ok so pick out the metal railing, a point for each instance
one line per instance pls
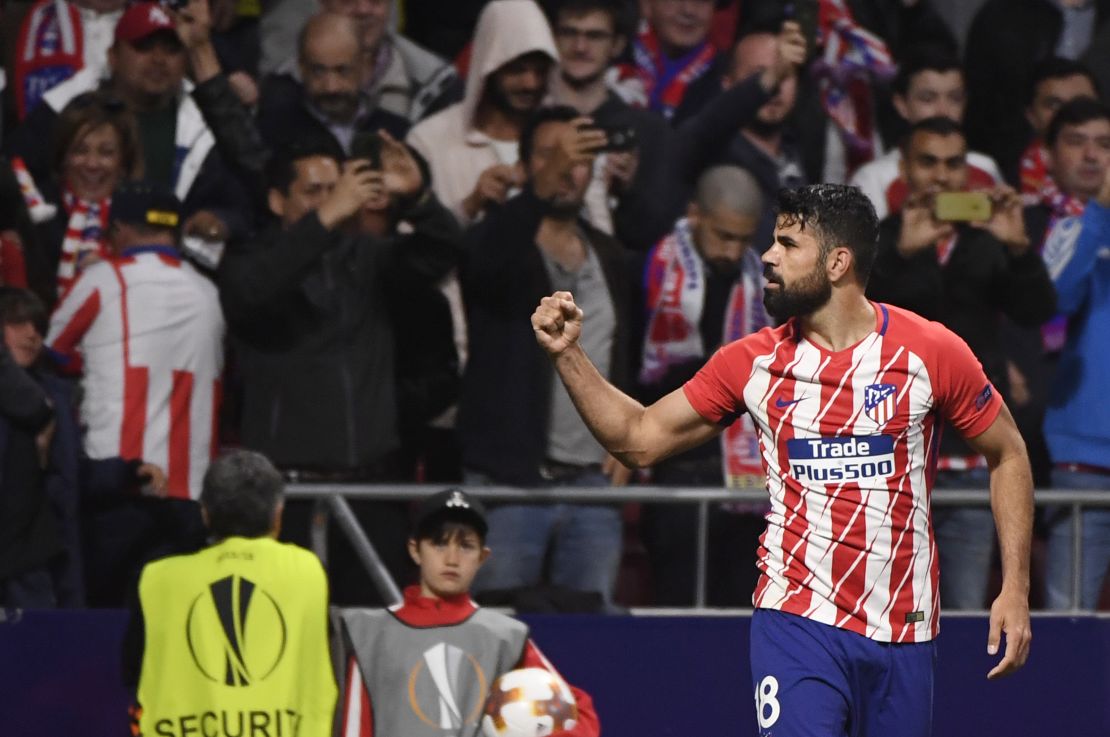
(331, 501)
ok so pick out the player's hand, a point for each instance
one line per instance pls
(493, 185)
(1007, 222)
(1009, 616)
(618, 473)
(920, 228)
(557, 323)
(358, 185)
(790, 54)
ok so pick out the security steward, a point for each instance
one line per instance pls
(232, 641)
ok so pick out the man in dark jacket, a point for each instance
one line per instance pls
(325, 99)
(967, 276)
(517, 425)
(306, 303)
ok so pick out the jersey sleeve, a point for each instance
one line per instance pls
(965, 396)
(588, 724)
(716, 392)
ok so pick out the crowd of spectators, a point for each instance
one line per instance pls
(318, 231)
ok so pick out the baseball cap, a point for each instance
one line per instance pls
(454, 504)
(141, 20)
(145, 203)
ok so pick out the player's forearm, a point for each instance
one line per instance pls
(611, 415)
(1012, 503)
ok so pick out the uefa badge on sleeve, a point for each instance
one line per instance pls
(879, 401)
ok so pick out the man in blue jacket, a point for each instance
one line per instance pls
(1077, 422)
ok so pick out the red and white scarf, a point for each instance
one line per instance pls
(661, 82)
(1034, 170)
(675, 285)
(50, 50)
(853, 59)
(86, 234)
(86, 228)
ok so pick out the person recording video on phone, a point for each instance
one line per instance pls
(963, 259)
(306, 304)
(535, 242)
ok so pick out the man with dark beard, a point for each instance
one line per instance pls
(703, 288)
(517, 425)
(324, 98)
(847, 396)
(471, 146)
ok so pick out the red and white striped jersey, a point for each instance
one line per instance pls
(849, 444)
(148, 332)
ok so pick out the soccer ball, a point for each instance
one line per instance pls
(530, 702)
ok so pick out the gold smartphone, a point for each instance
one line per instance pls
(962, 206)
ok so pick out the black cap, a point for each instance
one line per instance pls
(453, 504)
(145, 203)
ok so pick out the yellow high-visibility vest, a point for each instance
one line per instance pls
(236, 643)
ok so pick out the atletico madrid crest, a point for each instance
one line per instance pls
(878, 402)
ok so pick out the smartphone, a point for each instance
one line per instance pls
(368, 145)
(804, 13)
(618, 137)
(962, 206)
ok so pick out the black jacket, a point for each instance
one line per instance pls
(506, 396)
(639, 221)
(307, 309)
(979, 285)
(284, 117)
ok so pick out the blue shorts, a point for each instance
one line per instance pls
(815, 680)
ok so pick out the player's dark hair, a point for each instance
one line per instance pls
(838, 215)
(281, 169)
(617, 12)
(1056, 67)
(240, 494)
(1075, 112)
(22, 305)
(442, 526)
(937, 125)
(542, 116)
(923, 58)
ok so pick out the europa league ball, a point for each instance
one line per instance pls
(530, 702)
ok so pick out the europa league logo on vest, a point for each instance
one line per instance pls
(447, 688)
(236, 632)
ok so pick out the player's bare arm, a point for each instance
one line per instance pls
(1012, 504)
(636, 435)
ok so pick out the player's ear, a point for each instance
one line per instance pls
(414, 550)
(839, 263)
(484, 556)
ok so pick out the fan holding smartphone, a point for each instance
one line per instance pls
(961, 258)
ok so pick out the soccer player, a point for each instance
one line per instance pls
(424, 666)
(847, 397)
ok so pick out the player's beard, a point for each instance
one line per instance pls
(811, 293)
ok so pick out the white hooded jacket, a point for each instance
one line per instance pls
(457, 152)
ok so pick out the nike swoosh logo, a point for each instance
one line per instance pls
(781, 404)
